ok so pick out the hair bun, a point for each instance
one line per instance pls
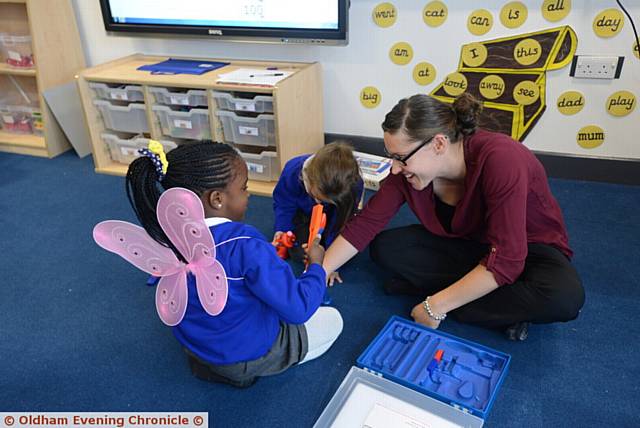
(467, 109)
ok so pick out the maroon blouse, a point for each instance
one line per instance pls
(507, 203)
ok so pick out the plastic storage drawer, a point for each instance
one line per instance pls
(17, 119)
(262, 166)
(192, 124)
(257, 104)
(131, 118)
(16, 50)
(120, 92)
(251, 131)
(192, 97)
(125, 150)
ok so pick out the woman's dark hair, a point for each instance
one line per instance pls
(421, 117)
(334, 172)
(198, 166)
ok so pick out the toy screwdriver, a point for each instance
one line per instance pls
(433, 365)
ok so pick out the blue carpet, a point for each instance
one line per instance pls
(79, 330)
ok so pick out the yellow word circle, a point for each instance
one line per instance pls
(570, 102)
(555, 10)
(455, 84)
(527, 52)
(401, 53)
(621, 103)
(590, 137)
(491, 87)
(480, 22)
(474, 54)
(435, 13)
(608, 23)
(424, 73)
(526, 92)
(370, 97)
(513, 14)
(384, 15)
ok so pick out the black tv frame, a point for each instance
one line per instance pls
(240, 34)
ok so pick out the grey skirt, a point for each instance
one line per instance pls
(289, 348)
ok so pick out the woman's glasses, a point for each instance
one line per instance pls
(403, 159)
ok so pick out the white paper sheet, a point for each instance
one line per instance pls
(252, 76)
(366, 404)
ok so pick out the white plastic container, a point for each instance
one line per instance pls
(192, 124)
(125, 150)
(251, 131)
(130, 118)
(117, 92)
(16, 119)
(262, 165)
(16, 50)
(18, 91)
(192, 97)
(3, 54)
(257, 104)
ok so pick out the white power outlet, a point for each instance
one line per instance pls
(596, 67)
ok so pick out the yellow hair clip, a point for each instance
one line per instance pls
(156, 147)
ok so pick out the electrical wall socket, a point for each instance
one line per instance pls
(596, 67)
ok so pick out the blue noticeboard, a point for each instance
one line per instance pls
(411, 372)
(182, 66)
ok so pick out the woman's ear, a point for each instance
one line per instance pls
(440, 143)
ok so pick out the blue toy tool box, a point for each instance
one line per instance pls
(414, 376)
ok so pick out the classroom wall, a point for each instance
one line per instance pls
(365, 62)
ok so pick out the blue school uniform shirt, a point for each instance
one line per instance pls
(290, 196)
(262, 292)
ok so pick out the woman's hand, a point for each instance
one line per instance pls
(332, 277)
(421, 316)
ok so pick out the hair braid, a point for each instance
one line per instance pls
(199, 167)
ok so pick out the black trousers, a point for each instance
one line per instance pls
(548, 290)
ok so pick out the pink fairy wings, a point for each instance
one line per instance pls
(181, 216)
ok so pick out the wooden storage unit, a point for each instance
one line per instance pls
(297, 105)
(58, 56)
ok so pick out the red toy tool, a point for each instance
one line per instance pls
(283, 243)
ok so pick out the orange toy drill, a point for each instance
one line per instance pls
(283, 243)
(316, 227)
(317, 224)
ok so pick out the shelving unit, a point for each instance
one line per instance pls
(57, 56)
(297, 107)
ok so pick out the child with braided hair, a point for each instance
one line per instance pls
(272, 320)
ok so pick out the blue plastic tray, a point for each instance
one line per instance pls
(467, 376)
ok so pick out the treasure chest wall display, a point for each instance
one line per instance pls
(509, 76)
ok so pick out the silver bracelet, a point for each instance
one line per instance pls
(431, 314)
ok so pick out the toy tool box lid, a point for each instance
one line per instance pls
(411, 375)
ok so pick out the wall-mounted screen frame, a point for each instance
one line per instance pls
(323, 22)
